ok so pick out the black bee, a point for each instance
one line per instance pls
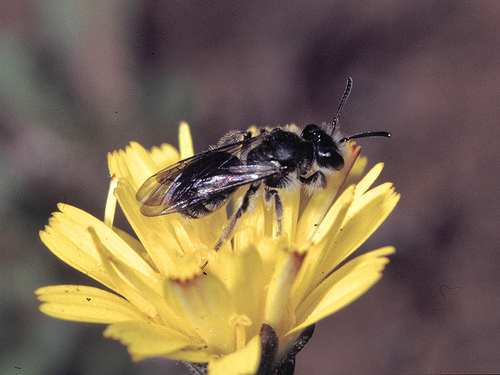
(276, 158)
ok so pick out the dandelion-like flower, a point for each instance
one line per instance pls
(248, 307)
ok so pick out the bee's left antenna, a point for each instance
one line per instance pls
(347, 91)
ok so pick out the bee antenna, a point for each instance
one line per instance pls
(347, 91)
(364, 135)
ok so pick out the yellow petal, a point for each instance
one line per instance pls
(135, 245)
(134, 164)
(291, 205)
(321, 201)
(342, 287)
(280, 285)
(86, 304)
(356, 171)
(110, 209)
(185, 141)
(160, 237)
(199, 302)
(369, 179)
(244, 271)
(335, 216)
(165, 155)
(242, 362)
(68, 236)
(147, 339)
(87, 244)
(309, 276)
(357, 227)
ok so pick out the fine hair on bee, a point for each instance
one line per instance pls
(276, 158)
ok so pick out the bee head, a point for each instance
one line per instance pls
(326, 153)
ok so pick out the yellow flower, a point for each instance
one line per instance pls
(252, 303)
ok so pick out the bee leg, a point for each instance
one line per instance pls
(278, 206)
(316, 180)
(231, 224)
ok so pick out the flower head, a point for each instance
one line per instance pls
(246, 307)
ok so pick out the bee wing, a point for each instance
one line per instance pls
(153, 191)
(225, 182)
(198, 179)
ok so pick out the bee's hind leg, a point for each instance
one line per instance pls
(228, 230)
(278, 206)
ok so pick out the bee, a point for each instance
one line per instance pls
(277, 158)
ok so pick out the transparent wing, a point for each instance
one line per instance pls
(200, 179)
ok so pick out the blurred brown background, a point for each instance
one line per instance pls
(81, 78)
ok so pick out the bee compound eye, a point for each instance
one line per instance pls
(330, 160)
